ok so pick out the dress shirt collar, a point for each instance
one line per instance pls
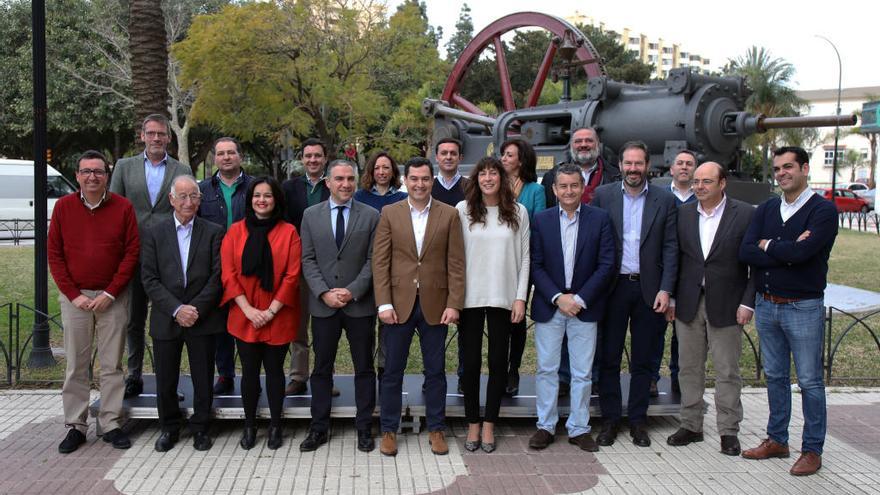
(178, 224)
(413, 209)
(391, 190)
(719, 209)
(643, 192)
(334, 204)
(90, 206)
(163, 161)
(564, 214)
(678, 194)
(449, 184)
(800, 200)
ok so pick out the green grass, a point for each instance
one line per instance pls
(853, 262)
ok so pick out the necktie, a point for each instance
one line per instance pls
(340, 226)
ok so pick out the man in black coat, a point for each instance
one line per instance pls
(299, 194)
(180, 266)
(714, 298)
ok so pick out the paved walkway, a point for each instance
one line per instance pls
(30, 429)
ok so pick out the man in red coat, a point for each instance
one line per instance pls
(93, 253)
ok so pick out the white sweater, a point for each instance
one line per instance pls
(496, 259)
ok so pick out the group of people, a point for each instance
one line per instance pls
(239, 262)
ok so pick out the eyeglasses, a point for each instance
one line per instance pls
(97, 172)
(154, 134)
(705, 182)
(194, 197)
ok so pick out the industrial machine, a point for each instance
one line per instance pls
(701, 113)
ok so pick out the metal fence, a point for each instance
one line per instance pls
(12, 349)
(863, 222)
(16, 230)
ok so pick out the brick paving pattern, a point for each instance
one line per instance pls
(30, 429)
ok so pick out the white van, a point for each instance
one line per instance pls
(17, 189)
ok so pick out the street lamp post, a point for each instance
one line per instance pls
(837, 127)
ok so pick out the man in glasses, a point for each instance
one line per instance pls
(92, 270)
(145, 179)
(184, 287)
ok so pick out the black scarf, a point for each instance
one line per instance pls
(256, 259)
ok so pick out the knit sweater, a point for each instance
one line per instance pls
(93, 249)
(790, 268)
(496, 259)
(378, 201)
(449, 196)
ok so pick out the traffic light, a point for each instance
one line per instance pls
(48, 155)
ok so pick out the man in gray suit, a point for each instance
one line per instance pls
(180, 266)
(643, 217)
(145, 179)
(714, 298)
(337, 241)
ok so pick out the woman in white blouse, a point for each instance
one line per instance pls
(496, 243)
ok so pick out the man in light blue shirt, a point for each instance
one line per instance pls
(644, 219)
(145, 180)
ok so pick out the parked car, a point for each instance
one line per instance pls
(17, 189)
(868, 195)
(845, 200)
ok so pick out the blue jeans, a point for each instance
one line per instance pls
(397, 339)
(581, 348)
(786, 331)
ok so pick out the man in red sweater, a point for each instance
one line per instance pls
(93, 253)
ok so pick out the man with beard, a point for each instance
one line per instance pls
(583, 151)
(644, 220)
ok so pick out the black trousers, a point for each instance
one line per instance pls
(326, 333)
(200, 349)
(271, 358)
(627, 308)
(135, 333)
(471, 330)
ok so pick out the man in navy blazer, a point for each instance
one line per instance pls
(572, 251)
(644, 221)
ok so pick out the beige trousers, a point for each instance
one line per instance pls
(81, 328)
(696, 340)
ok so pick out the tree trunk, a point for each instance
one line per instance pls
(872, 138)
(149, 58)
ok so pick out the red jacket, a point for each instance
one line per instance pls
(286, 254)
(93, 249)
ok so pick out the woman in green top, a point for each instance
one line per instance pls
(518, 159)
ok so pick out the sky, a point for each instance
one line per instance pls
(723, 30)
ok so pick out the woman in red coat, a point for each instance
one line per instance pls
(261, 264)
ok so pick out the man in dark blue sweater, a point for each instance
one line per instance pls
(787, 246)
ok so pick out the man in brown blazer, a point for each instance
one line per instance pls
(418, 281)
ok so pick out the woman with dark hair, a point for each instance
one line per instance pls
(496, 243)
(380, 182)
(260, 259)
(519, 162)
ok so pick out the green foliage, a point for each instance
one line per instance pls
(293, 70)
(464, 33)
(79, 114)
(620, 63)
(769, 80)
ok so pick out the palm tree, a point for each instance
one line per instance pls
(149, 58)
(769, 80)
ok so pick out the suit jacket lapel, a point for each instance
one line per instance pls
(166, 179)
(193, 245)
(430, 228)
(324, 230)
(409, 234)
(727, 218)
(691, 219)
(615, 211)
(649, 212)
(140, 176)
(582, 232)
(171, 232)
(353, 216)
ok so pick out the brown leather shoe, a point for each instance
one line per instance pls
(541, 439)
(438, 443)
(388, 445)
(295, 387)
(766, 450)
(808, 463)
(585, 442)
